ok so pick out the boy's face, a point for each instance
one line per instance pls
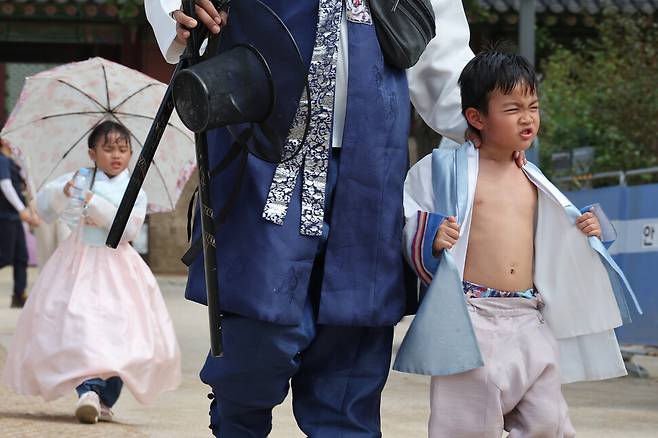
(512, 120)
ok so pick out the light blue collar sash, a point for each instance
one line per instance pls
(441, 339)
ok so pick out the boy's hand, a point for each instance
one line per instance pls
(205, 11)
(589, 224)
(447, 235)
(474, 137)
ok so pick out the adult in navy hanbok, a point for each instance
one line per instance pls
(310, 263)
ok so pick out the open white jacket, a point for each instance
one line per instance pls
(583, 288)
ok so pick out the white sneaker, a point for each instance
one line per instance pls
(106, 414)
(88, 408)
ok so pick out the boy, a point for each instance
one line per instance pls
(519, 299)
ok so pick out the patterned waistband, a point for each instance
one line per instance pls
(473, 290)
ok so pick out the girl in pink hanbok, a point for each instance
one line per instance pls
(95, 319)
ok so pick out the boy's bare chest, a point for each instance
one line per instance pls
(504, 194)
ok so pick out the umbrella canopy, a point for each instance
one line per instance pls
(58, 108)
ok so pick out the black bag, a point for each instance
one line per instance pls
(404, 28)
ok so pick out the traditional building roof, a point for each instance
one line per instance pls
(590, 7)
(104, 10)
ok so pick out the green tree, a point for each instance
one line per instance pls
(604, 93)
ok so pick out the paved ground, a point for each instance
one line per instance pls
(622, 408)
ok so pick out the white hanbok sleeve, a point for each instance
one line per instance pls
(51, 199)
(12, 197)
(164, 27)
(433, 84)
(102, 213)
(421, 220)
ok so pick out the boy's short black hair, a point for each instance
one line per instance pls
(494, 70)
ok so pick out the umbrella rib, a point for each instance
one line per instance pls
(141, 146)
(182, 131)
(107, 88)
(50, 117)
(66, 153)
(88, 96)
(131, 96)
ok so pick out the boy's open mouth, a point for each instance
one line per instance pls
(526, 132)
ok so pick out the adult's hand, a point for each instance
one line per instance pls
(519, 157)
(205, 11)
(474, 137)
(29, 217)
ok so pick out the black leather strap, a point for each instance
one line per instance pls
(238, 149)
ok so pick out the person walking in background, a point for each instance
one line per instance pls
(96, 318)
(13, 249)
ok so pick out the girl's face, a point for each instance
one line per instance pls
(111, 154)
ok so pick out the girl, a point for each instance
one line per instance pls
(95, 318)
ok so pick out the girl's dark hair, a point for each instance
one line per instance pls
(103, 129)
(494, 70)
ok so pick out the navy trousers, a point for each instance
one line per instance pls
(336, 373)
(13, 251)
(337, 376)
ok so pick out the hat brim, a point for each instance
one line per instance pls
(253, 23)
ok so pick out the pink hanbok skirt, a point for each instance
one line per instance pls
(93, 312)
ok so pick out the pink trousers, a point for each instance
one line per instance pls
(517, 390)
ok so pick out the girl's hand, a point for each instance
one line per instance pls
(589, 224)
(447, 235)
(205, 11)
(69, 184)
(67, 187)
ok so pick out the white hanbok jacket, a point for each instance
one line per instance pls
(101, 209)
(583, 288)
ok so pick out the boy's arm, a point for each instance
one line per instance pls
(421, 223)
(608, 232)
(433, 80)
